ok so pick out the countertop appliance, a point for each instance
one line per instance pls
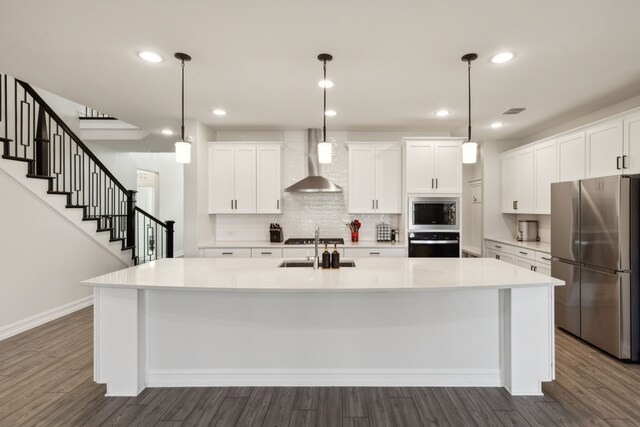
(434, 213)
(527, 231)
(432, 244)
(310, 241)
(595, 249)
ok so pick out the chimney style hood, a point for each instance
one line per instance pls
(313, 183)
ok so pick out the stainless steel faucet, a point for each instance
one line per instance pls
(316, 241)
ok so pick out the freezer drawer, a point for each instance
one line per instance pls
(605, 316)
(567, 297)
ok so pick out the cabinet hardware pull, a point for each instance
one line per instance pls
(497, 256)
(436, 182)
(278, 204)
(227, 253)
(546, 259)
(523, 253)
(231, 203)
(373, 204)
(376, 203)
(535, 268)
(432, 183)
(618, 162)
(498, 247)
(374, 253)
(516, 205)
(236, 204)
(624, 162)
(531, 268)
(265, 253)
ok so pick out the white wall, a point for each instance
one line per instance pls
(43, 258)
(124, 166)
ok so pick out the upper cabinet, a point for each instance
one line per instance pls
(374, 178)
(527, 174)
(244, 178)
(631, 153)
(604, 146)
(571, 157)
(433, 165)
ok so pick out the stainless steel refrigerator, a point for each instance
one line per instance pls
(595, 249)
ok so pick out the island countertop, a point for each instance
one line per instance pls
(377, 275)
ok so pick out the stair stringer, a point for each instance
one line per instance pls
(17, 171)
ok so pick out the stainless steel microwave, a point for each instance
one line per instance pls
(434, 213)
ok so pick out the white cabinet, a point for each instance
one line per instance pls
(604, 145)
(374, 253)
(433, 166)
(571, 157)
(631, 154)
(522, 257)
(525, 181)
(374, 178)
(509, 165)
(268, 174)
(244, 178)
(545, 173)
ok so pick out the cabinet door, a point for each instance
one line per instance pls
(361, 179)
(604, 150)
(632, 145)
(448, 167)
(525, 181)
(525, 263)
(268, 179)
(492, 254)
(546, 167)
(509, 182)
(419, 167)
(245, 179)
(221, 179)
(543, 269)
(571, 157)
(387, 179)
(508, 258)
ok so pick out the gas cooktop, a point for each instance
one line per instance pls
(309, 241)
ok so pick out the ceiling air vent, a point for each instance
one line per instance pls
(515, 110)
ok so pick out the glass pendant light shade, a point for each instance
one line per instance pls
(183, 152)
(469, 152)
(324, 152)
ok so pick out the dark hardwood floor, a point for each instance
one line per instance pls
(46, 379)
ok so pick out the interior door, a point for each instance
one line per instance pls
(448, 167)
(419, 167)
(387, 180)
(221, 179)
(245, 179)
(605, 311)
(567, 297)
(362, 179)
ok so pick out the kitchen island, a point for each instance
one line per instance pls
(385, 322)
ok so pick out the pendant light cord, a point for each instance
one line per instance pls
(182, 125)
(324, 111)
(469, 81)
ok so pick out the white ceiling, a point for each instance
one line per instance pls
(395, 63)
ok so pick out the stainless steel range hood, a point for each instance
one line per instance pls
(313, 183)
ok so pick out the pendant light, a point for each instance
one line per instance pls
(183, 147)
(324, 147)
(469, 148)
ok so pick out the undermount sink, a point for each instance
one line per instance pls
(302, 263)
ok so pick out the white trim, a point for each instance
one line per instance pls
(178, 254)
(325, 377)
(41, 318)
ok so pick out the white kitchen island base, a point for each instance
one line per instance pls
(319, 335)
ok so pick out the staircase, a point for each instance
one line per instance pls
(32, 133)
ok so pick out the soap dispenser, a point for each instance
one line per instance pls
(326, 258)
(335, 257)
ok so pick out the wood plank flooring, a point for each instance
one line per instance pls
(46, 380)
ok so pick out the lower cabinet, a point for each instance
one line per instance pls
(537, 261)
(375, 252)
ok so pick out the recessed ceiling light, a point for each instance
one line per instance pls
(150, 56)
(330, 113)
(167, 132)
(501, 58)
(325, 83)
(219, 112)
(442, 113)
(497, 125)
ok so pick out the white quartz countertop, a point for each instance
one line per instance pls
(536, 246)
(263, 244)
(379, 274)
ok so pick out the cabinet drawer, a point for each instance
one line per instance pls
(500, 247)
(372, 252)
(525, 253)
(525, 263)
(543, 258)
(306, 252)
(228, 253)
(266, 253)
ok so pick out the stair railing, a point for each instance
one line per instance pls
(32, 132)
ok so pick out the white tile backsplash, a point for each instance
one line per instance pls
(302, 211)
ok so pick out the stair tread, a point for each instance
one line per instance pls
(60, 192)
(30, 175)
(99, 230)
(20, 159)
(5, 139)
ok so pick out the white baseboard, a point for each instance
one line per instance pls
(317, 378)
(41, 318)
